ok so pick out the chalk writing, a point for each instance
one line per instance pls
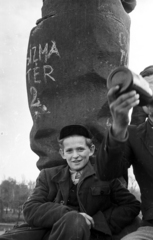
(124, 57)
(28, 74)
(47, 52)
(35, 74)
(37, 55)
(34, 54)
(47, 72)
(122, 39)
(35, 101)
(124, 48)
(43, 51)
(39, 70)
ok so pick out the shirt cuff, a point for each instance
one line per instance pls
(113, 142)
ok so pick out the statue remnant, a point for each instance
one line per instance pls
(71, 51)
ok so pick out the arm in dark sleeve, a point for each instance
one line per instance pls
(113, 158)
(40, 211)
(129, 5)
(125, 210)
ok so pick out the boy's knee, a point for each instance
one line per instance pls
(75, 219)
(79, 227)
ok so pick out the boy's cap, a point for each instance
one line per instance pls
(71, 130)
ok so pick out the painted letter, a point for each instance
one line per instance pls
(53, 50)
(28, 73)
(35, 102)
(47, 72)
(44, 51)
(34, 54)
(35, 73)
(29, 57)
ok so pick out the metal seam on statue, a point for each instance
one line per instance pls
(45, 17)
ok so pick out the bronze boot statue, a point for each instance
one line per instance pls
(71, 51)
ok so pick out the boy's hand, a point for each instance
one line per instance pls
(120, 108)
(89, 220)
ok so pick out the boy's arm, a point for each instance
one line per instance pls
(40, 210)
(114, 155)
(110, 158)
(125, 209)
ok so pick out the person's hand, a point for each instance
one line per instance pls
(89, 220)
(120, 108)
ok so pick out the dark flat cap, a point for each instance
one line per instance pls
(72, 130)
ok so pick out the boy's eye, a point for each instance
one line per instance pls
(69, 150)
(80, 149)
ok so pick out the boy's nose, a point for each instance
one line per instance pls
(75, 154)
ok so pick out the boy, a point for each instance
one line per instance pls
(71, 202)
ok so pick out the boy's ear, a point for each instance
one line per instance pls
(61, 152)
(92, 150)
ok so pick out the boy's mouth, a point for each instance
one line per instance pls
(77, 161)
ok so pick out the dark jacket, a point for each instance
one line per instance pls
(111, 205)
(137, 151)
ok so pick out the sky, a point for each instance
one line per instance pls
(17, 18)
(141, 43)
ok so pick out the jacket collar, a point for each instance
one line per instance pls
(142, 132)
(87, 171)
(142, 129)
(62, 178)
(64, 174)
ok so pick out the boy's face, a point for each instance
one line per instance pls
(76, 152)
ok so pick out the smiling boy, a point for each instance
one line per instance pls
(71, 202)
